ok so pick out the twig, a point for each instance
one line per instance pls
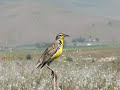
(54, 78)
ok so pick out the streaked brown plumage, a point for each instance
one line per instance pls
(52, 52)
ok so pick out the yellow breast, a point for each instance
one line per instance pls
(58, 53)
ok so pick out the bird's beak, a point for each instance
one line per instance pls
(65, 35)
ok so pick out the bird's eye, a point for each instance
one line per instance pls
(60, 35)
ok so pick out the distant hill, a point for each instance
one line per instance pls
(31, 22)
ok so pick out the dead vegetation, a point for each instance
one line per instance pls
(80, 74)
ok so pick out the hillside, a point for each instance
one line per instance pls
(31, 22)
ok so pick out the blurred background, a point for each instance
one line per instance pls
(90, 59)
(32, 24)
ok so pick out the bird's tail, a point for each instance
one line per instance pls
(39, 64)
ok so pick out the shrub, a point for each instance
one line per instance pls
(28, 57)
(69, 59)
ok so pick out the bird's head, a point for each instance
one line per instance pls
(61, 36)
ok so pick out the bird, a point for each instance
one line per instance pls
(52, 52)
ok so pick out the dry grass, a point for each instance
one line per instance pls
(83, 73)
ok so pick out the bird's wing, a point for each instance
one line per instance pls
(46, 56)
(48, 53)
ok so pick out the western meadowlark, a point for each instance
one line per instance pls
(52, 52)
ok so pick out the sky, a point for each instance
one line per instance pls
(106, 8)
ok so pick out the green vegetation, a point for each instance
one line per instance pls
(36, 45)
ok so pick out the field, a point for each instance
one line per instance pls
(77, 69)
